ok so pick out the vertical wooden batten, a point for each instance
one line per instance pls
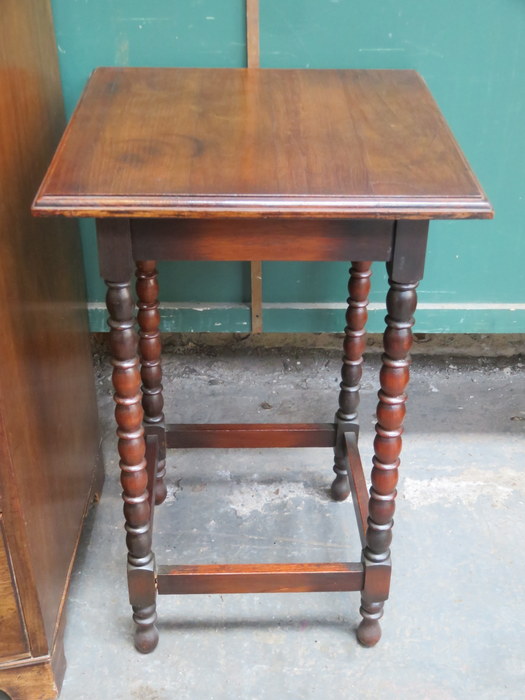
(253, 60)
(252, 34)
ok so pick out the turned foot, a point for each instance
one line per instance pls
(146, 634)
(369, 632)
(340, 489)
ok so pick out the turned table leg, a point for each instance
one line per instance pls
(150, 349)
(394, 376)
(354, 345)
(133, 476)
(405, 270)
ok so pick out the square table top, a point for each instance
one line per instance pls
(193, 142)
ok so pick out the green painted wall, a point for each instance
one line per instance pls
(472, 55)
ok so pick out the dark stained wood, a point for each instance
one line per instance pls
(352, 370)
(401, 304)
(259, 578)
(150, 349)
(357, 481)
(410, 247)
(251, 435)
(131, 447)
(264, 165)
(151, 456)
(375, 592)
(231, 239)
(114, 250)
(193, 142)
(141, 579)
(49, 454)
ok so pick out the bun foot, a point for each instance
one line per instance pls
(146, 640)
(340, 488)
(146, 634)
(369, 632)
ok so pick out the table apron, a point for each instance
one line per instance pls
(271, 239)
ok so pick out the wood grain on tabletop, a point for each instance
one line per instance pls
(216, 142)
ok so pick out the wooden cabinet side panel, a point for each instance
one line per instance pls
(46, 379)
(13, 640)
(18, 549)
(36, 681)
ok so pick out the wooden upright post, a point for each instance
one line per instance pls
(253, 60)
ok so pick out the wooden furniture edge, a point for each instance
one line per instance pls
(95, 490)
(247, 206)
(44, 675)
(39, 679)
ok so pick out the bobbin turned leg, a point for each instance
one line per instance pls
(116, 266)
(150, 349)
(354, 345)
(131, 447)
(405, 270)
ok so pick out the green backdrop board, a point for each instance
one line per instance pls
(472, 56)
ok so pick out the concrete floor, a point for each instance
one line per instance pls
(455, 623)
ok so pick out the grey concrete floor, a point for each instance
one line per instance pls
(454, 626)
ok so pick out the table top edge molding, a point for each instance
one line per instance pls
(244, 206)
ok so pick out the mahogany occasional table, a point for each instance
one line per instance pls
(248, 164)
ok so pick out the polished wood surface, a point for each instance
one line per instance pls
(230, 239)
(401, 302)
(48, 419)
(13, 640)
(252, 435)
(353, 348)
(233, 142)
(129, 415)
(40, 681)
(150, 349)
(259, 578)
(357, 481)
(264, 165)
